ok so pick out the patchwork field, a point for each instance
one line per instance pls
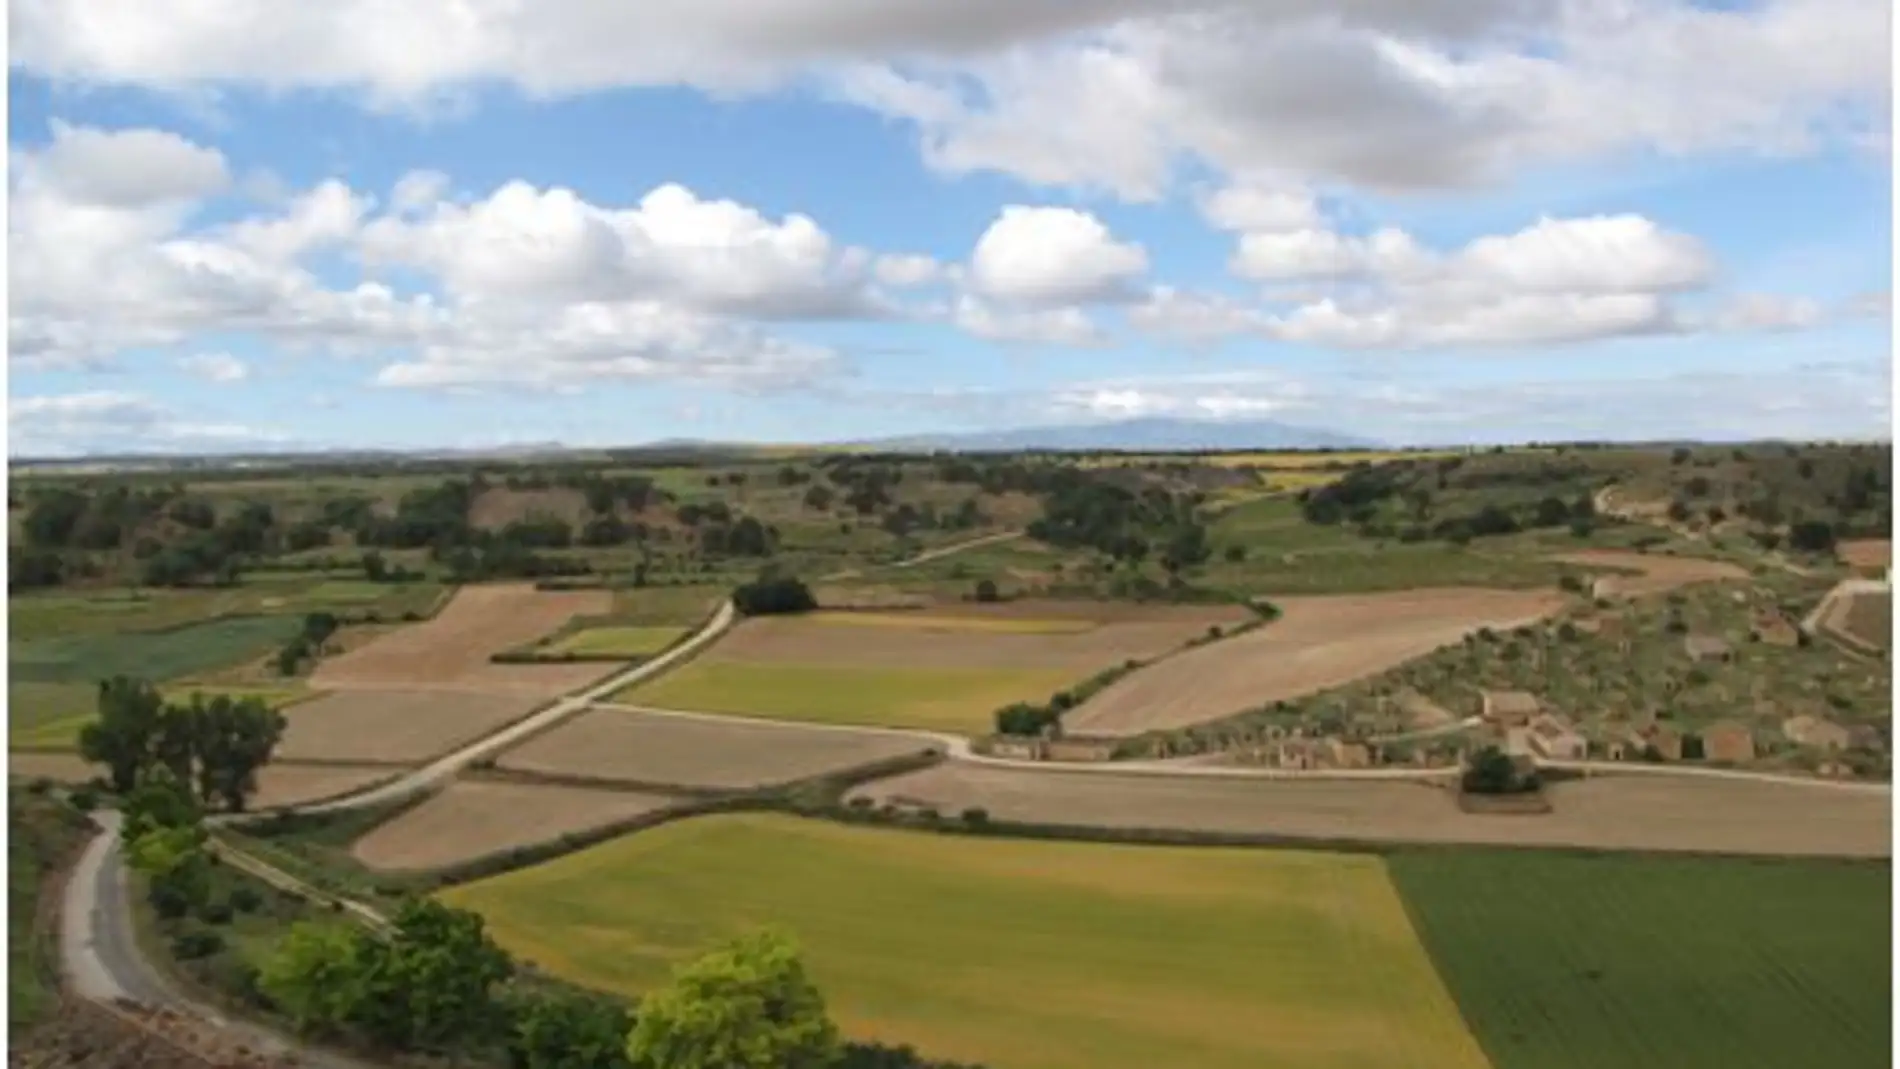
(394, 726)
(944, 669)
(475, 818)
(451, 650)
(629, 746)
(1032, 955)
(1629, 812)
(1659, 573)
(1318, 642)
(1659, 963)
(278, 784)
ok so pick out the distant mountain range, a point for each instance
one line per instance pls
(1135, 436)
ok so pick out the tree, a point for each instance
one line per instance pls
(314, 975)
(121, 737)
(561, 1030)
(1811, 536)
(748, 1005)
(176, 867)
(986, 590)
(770, 594)
(431, 984)
(236, 737)
(375, 569)
(1185, 548)
(158, 801)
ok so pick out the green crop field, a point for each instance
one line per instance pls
(1026, 955)
(962, 700)
(153, 655)
(627, 642)
(1649, 963)
(121, 609)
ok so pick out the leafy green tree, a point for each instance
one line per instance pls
(561, 1030)
(748, 1005)
(176, 867)
(235, 737)
(122, 736)
(315, 975)
(157, 800)
(432, 984)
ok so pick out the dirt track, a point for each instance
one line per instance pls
(1608, 812)
(473, 818)
(394, 726)
(635, 747)
(1661, 572)
(451, 651)
(1319, 642)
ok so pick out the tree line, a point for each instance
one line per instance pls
(213, 747)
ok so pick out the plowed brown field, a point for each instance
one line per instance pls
(278, 784)
(1609, 812)
(474, 818)
(451, 650)
(1866, 552)
(1661, 573)
(647, 748)
(394, 726)
(1318, 642)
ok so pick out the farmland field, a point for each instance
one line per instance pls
(962, 700)
(1867, 552)
(1868, 618)
(452, 650)
(1032, 955)
(629, 746)
(944, 669)
(153, 655)
(1626, 812)
(121, 610)
(628, 641)
(1658, 572)
(394, 726)
(1317, 643)
(475, 818)
(1659, 963)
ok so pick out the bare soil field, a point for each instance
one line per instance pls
(1866, 552)
(1317, 643)
(1124, 631)
(1865, 618)
(1607, 812)
(394, 726)
(280, 783)
(451, 651)
(629, 746)
(1661, 572)
(474, 818)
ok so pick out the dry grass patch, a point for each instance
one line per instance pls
(1317, 643)
(628, 746)
(1660, 573)
(475, 818)
(451, 651)
(395, 726)
(1630, 812)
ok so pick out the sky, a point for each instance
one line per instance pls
(240, 225)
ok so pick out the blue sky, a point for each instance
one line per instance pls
(237, 225)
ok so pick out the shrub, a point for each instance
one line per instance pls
(245, 900)
(85, 799)
(194, 943)
(770, 595)
(976, 816)
(1236, 553)
(39, 785)
(986, 590)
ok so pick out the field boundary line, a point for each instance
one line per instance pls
(1615, 768)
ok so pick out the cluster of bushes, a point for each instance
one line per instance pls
(772, 594)
(1491, 771)
(1028, 719)
(308, 644)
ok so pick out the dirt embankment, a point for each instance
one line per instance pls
(1318, 642)
(1607, 813)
